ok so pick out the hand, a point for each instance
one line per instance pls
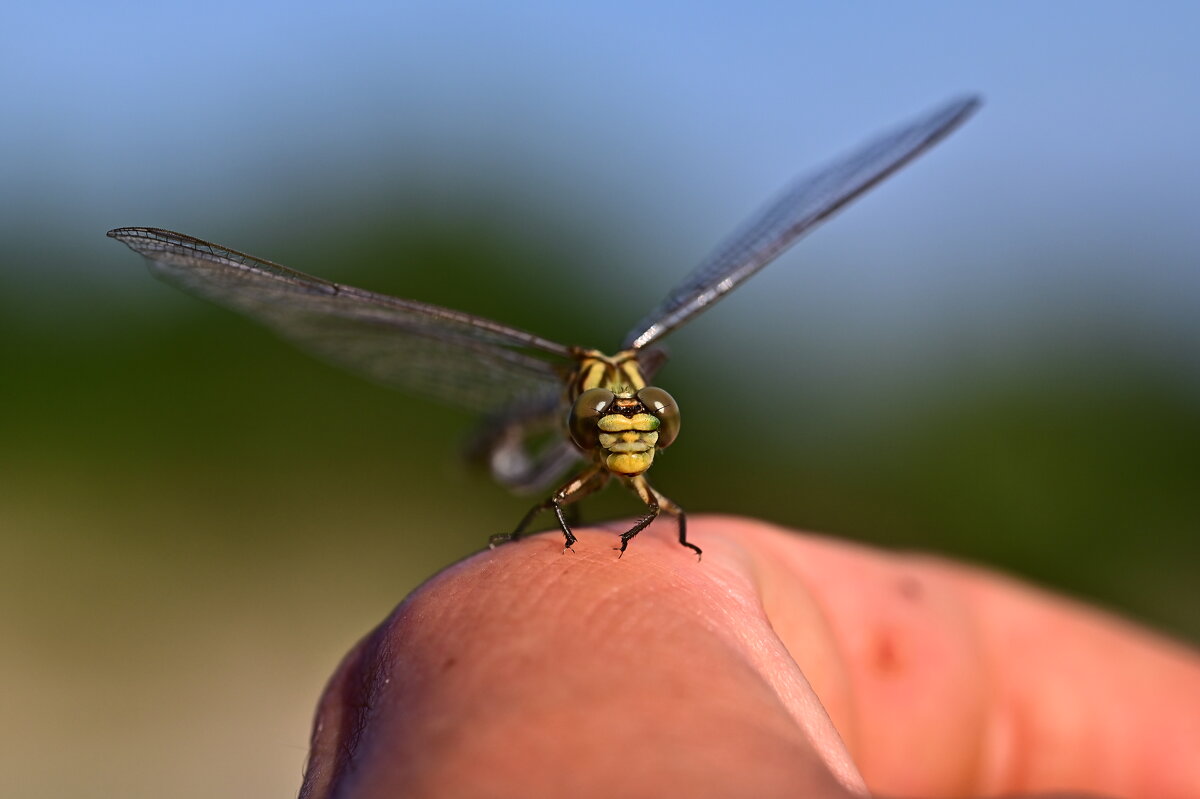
(781, 665)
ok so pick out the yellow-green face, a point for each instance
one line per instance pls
(628, 441)
(623, 427)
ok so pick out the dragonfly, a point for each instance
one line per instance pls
(600, 409)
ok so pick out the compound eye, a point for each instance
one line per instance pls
(587, 410)
(662, 406)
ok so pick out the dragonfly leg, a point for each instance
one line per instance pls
(587, 482)
(650, 497)
(642, 523)
(657, 503)
(672, 508)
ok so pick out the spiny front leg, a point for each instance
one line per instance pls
(656, 503)
(642, 523)
(573, 514)
(587, 482)
(670, 507)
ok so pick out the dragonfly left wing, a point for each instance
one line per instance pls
(448, 355)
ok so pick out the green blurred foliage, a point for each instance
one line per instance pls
(231, 445)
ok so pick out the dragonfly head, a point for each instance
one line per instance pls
(625, 427)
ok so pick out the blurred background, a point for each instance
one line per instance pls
(995, 355)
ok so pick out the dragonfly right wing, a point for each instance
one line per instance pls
(803, 206)
(448, 355)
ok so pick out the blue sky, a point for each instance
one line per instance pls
(1078, 179)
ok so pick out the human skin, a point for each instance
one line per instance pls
(781, 665)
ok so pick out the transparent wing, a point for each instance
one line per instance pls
(802, 207)
(451, 356)
(525, 448)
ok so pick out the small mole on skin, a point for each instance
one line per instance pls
(449, 664)
(910, 588)
(886, 659)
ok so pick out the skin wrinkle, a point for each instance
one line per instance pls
(829, 678)
(807, 621)
(1088, 695)
(1001, 761)
(995, 750)
(1057, 717)
(770, 656)
(1011, 721)
(733, 591)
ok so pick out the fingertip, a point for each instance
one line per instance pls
(518, 661)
